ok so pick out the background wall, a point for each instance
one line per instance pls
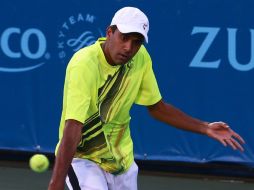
(203, 57)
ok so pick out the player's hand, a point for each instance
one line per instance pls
(224, 134)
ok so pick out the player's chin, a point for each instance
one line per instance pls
(121, 58)
(121, 62)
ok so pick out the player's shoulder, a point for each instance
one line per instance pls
(143, 54)
(143, 50)
(142, 59)
(87, 53)
(84, 57)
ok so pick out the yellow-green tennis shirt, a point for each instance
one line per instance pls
(100, 96)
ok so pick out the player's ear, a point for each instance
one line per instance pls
(109, 32)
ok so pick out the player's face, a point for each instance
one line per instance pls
(122, 47)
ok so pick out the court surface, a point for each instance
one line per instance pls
(16, 177)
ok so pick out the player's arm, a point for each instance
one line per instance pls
(175, 117)
(66, 151)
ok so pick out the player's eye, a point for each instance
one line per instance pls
(138, 42)
(124, 37)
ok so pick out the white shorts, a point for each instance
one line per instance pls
(86, 175)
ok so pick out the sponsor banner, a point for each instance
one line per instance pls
(203, 58)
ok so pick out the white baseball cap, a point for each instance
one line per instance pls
(131, 19)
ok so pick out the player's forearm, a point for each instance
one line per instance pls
(62, 163)
(64, 156)
(173, 116)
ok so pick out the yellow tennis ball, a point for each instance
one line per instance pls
(39, 163)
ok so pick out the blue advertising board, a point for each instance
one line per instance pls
(203, 58)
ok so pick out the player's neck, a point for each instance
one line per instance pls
(106, 53)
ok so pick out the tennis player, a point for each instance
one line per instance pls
(103, 81)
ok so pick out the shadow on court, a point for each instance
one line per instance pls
(19, 177)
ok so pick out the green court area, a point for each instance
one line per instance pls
(18, 176)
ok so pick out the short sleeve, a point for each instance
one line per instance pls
(149, 92)
(78, 83)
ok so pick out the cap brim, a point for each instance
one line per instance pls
(128, 29)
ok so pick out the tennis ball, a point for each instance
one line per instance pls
(39, 163)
